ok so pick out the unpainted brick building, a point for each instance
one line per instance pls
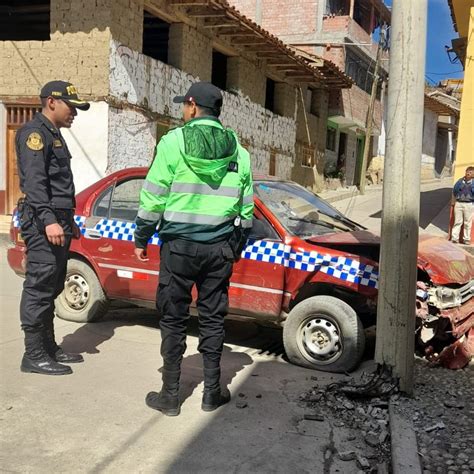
(131, 57)
(341, 31)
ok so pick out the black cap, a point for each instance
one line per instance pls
(64, 91)
(204, 94)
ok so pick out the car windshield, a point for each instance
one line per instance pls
(300, 211)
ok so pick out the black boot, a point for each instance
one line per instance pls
(37, 360)
(54, 351)
(167, 401)
(214, 396)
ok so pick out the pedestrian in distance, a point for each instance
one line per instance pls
(463, 203)
(46, 215)
(199, 195)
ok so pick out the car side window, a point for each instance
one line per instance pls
(261, 229)
(120, 201)
(126, 199)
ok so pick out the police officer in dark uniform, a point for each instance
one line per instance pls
(47, 223)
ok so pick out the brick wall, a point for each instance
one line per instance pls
(282, 18)
(336, 24)
(355, 103)
(246, 77)
(127, 22)
(285, 99)
(78, 52)
(132, 139)
(137, 80)
(190, 51)
(311, 131)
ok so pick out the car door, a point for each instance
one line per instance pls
(257, 283)
(108, 236)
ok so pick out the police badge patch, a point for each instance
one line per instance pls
(34, 141)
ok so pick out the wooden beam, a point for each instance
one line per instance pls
(293, 67)
(264, 48)
(282, 62)
(187, 3)
(236, 32)
(202, 12)
(248, 41)
(271, 54)
(220, 24)
(206, 14)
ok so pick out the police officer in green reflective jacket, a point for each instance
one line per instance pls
(199, 194)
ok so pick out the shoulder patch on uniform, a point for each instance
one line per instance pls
(233, 167)
(34, 141)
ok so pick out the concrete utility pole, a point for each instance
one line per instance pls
(401, 191)
(369, 122)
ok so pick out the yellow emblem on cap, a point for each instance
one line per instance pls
(34, 141)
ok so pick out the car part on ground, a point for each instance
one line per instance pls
(446, 336)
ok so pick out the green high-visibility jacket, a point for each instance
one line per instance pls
(198, 184)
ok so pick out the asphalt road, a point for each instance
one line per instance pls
(434, 208)
(95, 420)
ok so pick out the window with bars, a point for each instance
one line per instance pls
(307, 156)
(17, 115)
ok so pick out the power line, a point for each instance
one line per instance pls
(443, 73)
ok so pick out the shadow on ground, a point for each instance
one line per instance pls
(431, 204)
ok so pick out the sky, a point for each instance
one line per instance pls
(440, 33)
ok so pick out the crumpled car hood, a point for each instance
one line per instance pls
(445, 262)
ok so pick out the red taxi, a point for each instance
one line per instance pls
(306, 267)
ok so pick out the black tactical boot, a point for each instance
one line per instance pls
(54, 351)
(214, 396)
(166, 401)
(37, 360)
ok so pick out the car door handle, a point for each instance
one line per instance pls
(92, 234)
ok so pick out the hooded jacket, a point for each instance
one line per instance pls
(198, 184)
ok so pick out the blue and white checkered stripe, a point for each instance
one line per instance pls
(338, 267)
(341, 268)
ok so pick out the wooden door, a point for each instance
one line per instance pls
(17, 115)
(13, 181)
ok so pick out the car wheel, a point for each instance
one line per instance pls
(324, 333)
(83, 300)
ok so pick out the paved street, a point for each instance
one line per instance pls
(96, 420)
(434, 207)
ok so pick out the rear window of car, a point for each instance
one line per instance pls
(120, 202)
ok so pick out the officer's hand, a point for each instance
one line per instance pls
(76, 231)
(141, 255)
(55, 234)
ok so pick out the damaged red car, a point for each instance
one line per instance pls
(306, 268)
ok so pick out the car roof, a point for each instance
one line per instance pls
(137, 171)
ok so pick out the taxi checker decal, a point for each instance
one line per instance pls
(278, 253)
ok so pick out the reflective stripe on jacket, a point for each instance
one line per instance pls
(198, 183)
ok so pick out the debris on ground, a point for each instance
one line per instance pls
(442, 412)
(359, 408)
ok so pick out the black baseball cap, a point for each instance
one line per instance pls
(204, 94)
(64, 91)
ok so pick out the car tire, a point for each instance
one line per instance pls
(324, 333)
(83, 300)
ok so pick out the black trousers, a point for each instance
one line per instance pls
(46, 266)
(183, 265)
